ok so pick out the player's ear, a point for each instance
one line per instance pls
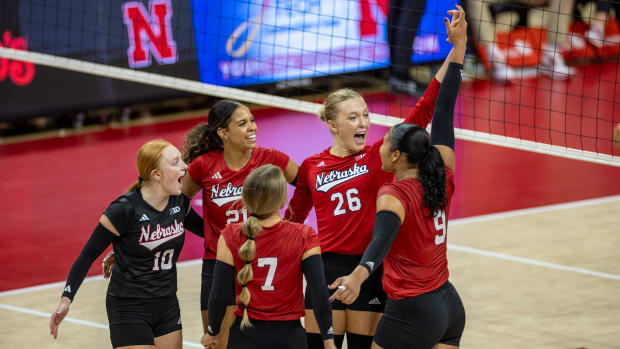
(222, 132)
(156, 174)
(395, 155)
(332, 126)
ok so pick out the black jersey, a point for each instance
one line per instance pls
(148, 247)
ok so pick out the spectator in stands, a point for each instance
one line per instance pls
(403, 20)
(556, 18)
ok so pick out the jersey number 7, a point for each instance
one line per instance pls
(272, 262)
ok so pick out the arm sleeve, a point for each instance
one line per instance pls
(221, 294)
(319, 297)
(384, 232)
(98, 242)
(422, 113)
(300, 205)
(442, 132)
(194, 223)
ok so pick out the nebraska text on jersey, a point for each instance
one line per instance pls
(229, 194)
(153, 239)
(324, 182)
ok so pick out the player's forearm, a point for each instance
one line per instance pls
(100, 239)
(222, 293)
(387, 224)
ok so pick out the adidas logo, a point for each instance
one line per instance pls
(144, 218)
(217, 176)
(322, 163)
(68, 288)
(371, 265)
(179, 322)
(375, 301)
(331, 330)
(359, 157)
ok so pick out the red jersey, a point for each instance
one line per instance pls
(343, 191)
(276, 289)
(221, 189)
(417, 261)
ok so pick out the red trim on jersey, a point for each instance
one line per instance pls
(221, 189)
(276, 289)
(416, 262)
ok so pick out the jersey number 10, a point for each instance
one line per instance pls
(166, 260)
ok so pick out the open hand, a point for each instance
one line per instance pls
(456, 28)
(209, 341)
(59, 315)
(347, 289)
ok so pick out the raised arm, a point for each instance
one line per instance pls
(422, 113)
(442, 134)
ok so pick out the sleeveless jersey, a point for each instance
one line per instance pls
(221, 189)
(343, 191)
(148, 247)
(276, 289)
(417, 261)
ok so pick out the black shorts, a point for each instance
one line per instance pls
(268, 334)
(208, 265)
(137, 321)
(422, 321)
(371, 297)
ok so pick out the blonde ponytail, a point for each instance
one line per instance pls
(247, 252)
(264, 192)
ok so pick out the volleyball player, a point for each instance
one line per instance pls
(423, 309)
(145, 227)
(221, 153)
(342, 184)
(268, 258)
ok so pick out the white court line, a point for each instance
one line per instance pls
(532, 262)
(61, 284)
(458, 221)
(76, 321)
(533, 210)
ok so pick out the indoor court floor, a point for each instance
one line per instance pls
(532, 245)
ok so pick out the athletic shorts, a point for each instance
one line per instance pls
(421, 322)
(371, 297)
(137, 321)
(208, 266)
(267, 334)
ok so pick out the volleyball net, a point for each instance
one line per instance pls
(537, 77)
